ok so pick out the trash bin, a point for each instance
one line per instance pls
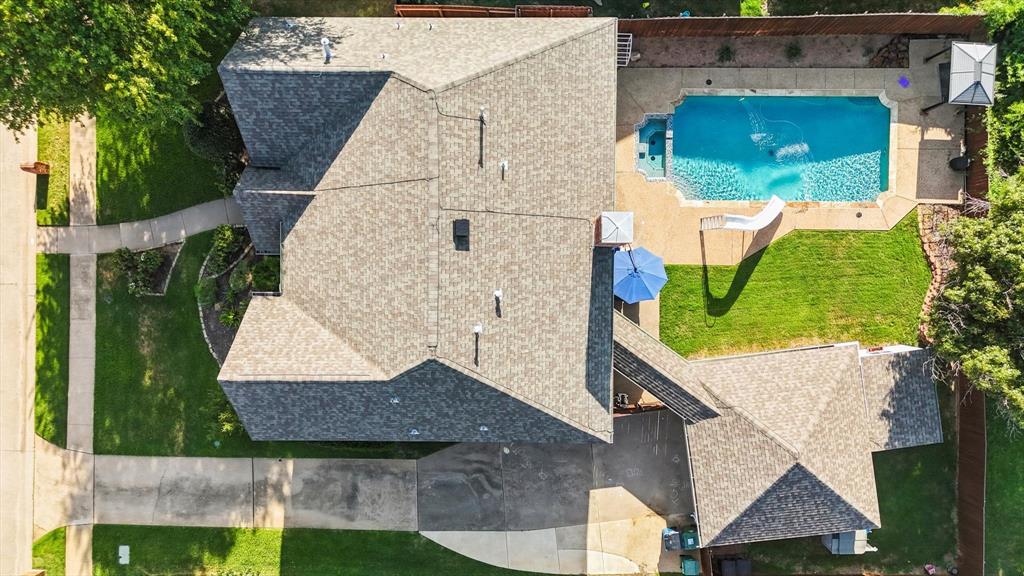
(690, 540)
(690, 567)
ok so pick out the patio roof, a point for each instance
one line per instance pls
(972, 74)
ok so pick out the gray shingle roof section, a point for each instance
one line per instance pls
(437, 401)
(370, 259)
(656, 368)
(901, 395)
(269, 216)
(794, 440)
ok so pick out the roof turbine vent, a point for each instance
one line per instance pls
(325, 43)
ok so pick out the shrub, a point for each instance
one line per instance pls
(751, 8)
(205, 291)
(266, 275)
(140, 269)
(725, 54)
(230, 318)
(213, 133)
(239, 279)
(794, 51)
(978, 319)
(226, 241)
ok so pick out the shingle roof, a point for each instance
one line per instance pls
(658, 369)
(370, 259)
(904, 406)
(791, 450)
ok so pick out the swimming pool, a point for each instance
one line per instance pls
(800, 148)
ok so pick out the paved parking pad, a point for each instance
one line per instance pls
(649, 460)
(462, 487)
(337, 494)
(539, 486)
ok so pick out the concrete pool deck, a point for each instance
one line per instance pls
(669, 225)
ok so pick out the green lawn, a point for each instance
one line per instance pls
(53, 322)
(54, 142)
(156, 388)
(48, 553)
(166, 550)
(1004, 499)
(917, 501)
(800, 7)
(808, 287)
(142, 172)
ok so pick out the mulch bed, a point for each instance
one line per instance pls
(163, 273)
(218, 336)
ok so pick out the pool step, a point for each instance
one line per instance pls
(712, 222)
(625, 48)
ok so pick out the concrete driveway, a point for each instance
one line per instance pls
(562, 508)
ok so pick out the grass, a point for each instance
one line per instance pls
(53, 322)
(801, 7)
(52, 190)
(1004, 499)
(143, 172)
(151, 357)
(267, 552)
(917, 501)
(808, 287)
(48, 552)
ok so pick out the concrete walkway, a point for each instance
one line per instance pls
(79, 489)
(139, 235)
(17, 348)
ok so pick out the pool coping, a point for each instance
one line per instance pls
(889, 103)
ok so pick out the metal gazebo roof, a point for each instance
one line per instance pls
(972, 74)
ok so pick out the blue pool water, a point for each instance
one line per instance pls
(652, 160)
(820, 148)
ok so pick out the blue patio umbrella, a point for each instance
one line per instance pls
(639, 275)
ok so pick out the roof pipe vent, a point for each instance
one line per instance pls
(326, 44)
(398, 25)
(499, 297)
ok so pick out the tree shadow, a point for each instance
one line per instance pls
(717, 306)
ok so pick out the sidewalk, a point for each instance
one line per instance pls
(141, 234)
(17, 348)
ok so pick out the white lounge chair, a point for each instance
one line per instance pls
(766, 216)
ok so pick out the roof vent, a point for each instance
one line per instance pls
(414, 432)
(430, 25)
(460, 234)
(326, 44)
(499, 297)
(383, 56)
(289, 23)
(398, 25)
(395, 400)
(484, 428)
(504, 168)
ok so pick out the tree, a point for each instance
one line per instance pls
(136, 59)
(978, 320)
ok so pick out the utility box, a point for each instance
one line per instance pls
(690, 540)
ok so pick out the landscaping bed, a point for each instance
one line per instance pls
(231, 273)
(269, 552)
(53, 327)
(809, 287)
(151, 357)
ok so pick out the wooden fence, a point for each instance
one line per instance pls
(929, 24)
(454, 11)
